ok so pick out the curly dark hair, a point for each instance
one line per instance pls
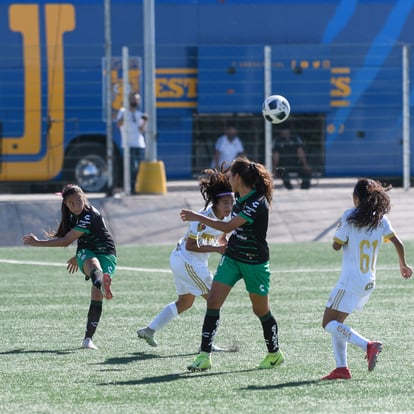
(214, 183)
(374, 202)
(254, 175)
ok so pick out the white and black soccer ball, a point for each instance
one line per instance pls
(276, 109)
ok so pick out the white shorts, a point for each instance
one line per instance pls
(194, 279)
(347, 301)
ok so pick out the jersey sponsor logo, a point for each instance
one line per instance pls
(241, 237)
(249, 210)
(204, 239)
(85, 221)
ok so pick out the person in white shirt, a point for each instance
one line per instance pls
(132, 124)
(228, 147)
(189, 260)
(359, 233)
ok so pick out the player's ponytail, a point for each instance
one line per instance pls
(254, 175)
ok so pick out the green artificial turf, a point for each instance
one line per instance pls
(44, 370)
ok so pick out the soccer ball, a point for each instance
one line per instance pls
(276, 109)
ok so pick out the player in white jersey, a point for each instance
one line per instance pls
(360, 234)
(189, 260)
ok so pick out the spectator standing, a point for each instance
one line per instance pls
(228, 147)
(132, 124)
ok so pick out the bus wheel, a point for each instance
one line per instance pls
(86, 166)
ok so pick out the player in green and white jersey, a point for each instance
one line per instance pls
(246, 257)
(95, 253)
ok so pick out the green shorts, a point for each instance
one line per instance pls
(107, 261)
(256, 276)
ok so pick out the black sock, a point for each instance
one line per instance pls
(270, 332)
(97, 278)
(211, 323)
(94, 314)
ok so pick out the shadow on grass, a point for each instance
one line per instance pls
(39, 351)
(140, 356)
(290, 384)
(187, 375)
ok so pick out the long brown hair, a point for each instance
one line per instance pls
(254, 175)
(374, 202)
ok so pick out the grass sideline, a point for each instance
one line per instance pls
(44, 370)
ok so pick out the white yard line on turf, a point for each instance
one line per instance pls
(36, 263)
(155, 270)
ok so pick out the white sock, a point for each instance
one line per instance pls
(344, 332)
(166, 315)
(339, 346)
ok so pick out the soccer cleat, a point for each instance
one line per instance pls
(201, 363)
(146, 334)
(373, 350)
(88, 344)
(338, 373)
(272, 360)
(106, 287)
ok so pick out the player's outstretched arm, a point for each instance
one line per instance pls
(224, 226)
(69, 238)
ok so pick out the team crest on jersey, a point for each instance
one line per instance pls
(201, 227)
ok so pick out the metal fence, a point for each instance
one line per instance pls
(347, 106)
